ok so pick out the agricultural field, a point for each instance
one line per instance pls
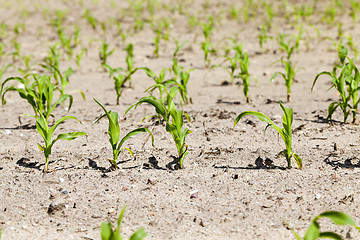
(161, 106)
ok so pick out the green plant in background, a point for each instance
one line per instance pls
(47, 132)
(233, 66)
(26, 60)
(244, 74)
(61, 79)
(289, 44)
(130, 60)
(288, 76)
(79, 56)
(160, 83)
(206, 45)
(347, 85)
(16, 53)
(108, 232)
(91, 19)
(285, 132)
(114, 134)
(105, 52)
(173, 119)
(3, 71)
(39, 93)
(313, 232)
(263, 35)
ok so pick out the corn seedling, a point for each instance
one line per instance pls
(244, 74)
(263, 35)
(92, 21)
(288, 76)
(230, 70)
(26, 60)
(285, 132)
(47, 132)
(347, 85)
(105, 52)
(130, 60)
(119, 82)
(313, 232)
(79, 56)
(206, 46)
(39, 93)
(109, 233)
(290, 44)
(173, 119)
(114, 134)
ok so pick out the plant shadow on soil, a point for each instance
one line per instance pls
(260, 163)
(27, 163)
(338, 164)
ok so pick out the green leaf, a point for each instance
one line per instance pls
(114, 128)
(339, 218)
(138, 235)
(312, 232)
(287, 118)
(133, 133)
(298, 160)
(317, 76)
(159, 107)
(330, 235)
(57, 123)
(121, 217)
(106, 231)
(260, 116)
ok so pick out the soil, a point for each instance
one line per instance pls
(233, 186)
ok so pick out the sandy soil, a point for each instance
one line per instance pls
(225, 191)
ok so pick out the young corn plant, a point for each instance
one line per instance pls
(114, 134)
(290, 44)
(206, 46)
(105, 53)
(47, 133)
(347, 85)
(285, 132)
(173, 119)
(108, 232)
(288, 76)
(263, 36)
(39, 93)
(130, 60)
(313, 232)
(244, 74)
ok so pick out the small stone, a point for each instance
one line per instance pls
(194, 194)
(111, 210)
(61, 180)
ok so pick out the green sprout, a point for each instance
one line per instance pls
(263, 35)
(288, 76)
(39, 94)
(173, 119)
(130, 60)
(313, 232)
(47, 132)
(206, 46)
(290, 44)
(79, 56)
(108, 232)
(347, 85)
(285, 132)
(114, 134)
(92, 20)
(105, 52)
(245, 75)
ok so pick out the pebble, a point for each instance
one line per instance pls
(111, 210)
(61, 180)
